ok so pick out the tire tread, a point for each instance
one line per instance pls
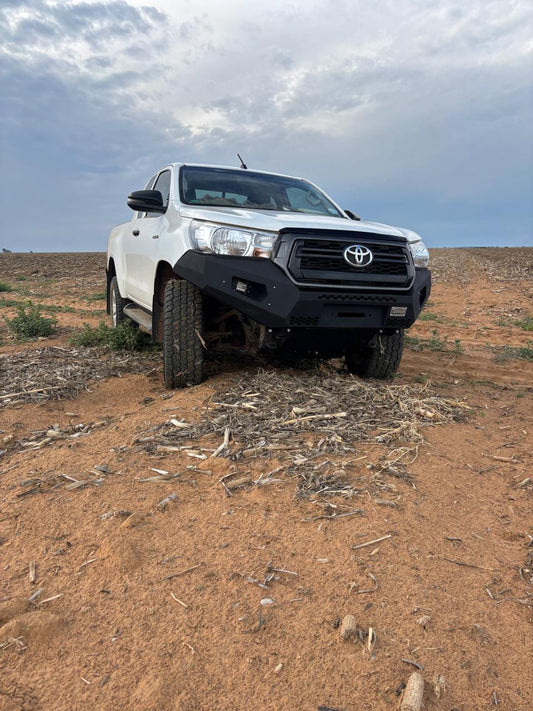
(183, 351)
(380, 362)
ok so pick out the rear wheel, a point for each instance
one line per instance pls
(116, 303)
(382, 361)
(183, 345)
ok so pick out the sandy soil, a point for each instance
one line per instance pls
(231, 598)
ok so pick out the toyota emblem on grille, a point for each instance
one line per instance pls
(358, 256)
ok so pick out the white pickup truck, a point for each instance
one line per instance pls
(229, 258)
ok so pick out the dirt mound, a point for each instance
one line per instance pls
(32, 628)
(119, 554)
(12, 608)
(154, 693)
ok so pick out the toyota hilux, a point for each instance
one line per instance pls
(221, 258)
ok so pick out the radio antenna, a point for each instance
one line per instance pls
(243, 164)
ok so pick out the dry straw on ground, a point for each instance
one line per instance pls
(274, 411)
(313, 423)
(55, 372)
(498, 264)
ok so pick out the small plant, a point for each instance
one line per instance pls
(414, 343)
(30, 323)
(125, 337)
(423, 378)
(4, 286)
(55, 308)
(99, 296)
(430, 316)
(503, 353)
(526, 324)
(21, 277)
(436, 344)
(10, 303)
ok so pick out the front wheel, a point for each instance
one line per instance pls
(183, 344)
(382, 361)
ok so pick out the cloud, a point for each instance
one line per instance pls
(413, 110)
(97, 21)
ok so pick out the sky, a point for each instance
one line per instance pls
(416, 113)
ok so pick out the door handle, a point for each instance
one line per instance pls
(136, 233)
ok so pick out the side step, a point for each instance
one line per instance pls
(140, 316)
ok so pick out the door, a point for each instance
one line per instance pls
(142, 255)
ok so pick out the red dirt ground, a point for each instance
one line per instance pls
(112, 630)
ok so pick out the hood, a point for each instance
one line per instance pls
(272, 221)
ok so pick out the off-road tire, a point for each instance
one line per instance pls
(380, 362)
(183, 349)
(116, 303)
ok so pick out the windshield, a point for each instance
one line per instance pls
(222, 187)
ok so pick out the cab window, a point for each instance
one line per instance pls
(163, 185)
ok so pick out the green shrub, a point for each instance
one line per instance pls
(5, 287)
(56, 308)
(526, 324)
(29, 322)
(11, 303)
(125, 337)
(435, 344)
(503, 353)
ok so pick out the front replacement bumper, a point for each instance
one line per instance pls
(265, 292)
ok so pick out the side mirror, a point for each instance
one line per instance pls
(146, 201)
(351, 215)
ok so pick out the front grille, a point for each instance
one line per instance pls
(316, 260)
(328, 257)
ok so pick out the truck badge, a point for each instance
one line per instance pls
(358, 256)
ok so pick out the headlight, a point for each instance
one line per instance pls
(226, 240)
(210, 237)
(420, 254)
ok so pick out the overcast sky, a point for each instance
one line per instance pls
(417, 113)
